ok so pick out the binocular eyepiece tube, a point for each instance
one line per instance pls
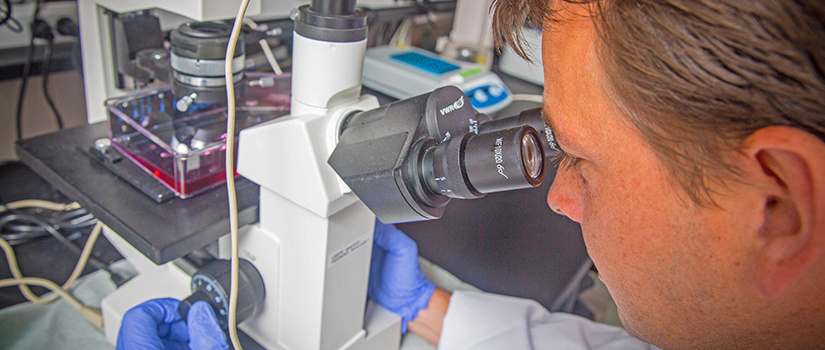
(475, 164)
(407, 159)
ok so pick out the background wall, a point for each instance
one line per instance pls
(66, 89)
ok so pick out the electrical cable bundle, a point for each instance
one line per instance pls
(25, 221)
(72, 216)
(23, 226)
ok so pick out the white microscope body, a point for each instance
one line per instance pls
(313, 243)
(323, 232)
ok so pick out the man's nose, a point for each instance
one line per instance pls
(565, 195)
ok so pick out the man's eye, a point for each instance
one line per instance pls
(563, 160)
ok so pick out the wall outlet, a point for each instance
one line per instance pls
(50, 12)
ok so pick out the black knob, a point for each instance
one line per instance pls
(211, 284)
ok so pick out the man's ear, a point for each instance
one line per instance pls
(787, 166)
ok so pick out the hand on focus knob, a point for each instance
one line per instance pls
(156, 325)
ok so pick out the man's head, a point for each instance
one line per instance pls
(696, 161)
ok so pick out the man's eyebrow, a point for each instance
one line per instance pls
(549, 122)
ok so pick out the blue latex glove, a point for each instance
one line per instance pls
(396, 281)
(156, 325)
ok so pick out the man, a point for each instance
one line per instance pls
(694, 160)
(694, 138)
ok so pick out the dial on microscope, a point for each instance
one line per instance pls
(211, 284)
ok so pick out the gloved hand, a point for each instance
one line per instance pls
(396, 281)
(156, 325)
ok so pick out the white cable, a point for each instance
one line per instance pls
(270, 57)
(81, 264)
(252, 24)
(12, 259)
(401, 33)
(230, 174)
(91, 314)
(37, 203)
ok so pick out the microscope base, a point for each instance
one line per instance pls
(165, 281)
(381, 328)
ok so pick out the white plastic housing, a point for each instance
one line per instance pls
(325, 74)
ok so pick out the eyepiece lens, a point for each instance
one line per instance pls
(531, 155)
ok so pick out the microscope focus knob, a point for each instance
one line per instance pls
(211, 284)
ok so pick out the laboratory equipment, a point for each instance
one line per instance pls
(471, 37)
(193, 65)
(103, 73)
(197, 62)
(513, 64)
(407, 159)
(185, 150)
(465, 58)
(312, 243)
(177, 133)
(406, 71)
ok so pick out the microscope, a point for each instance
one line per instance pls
(326, 170)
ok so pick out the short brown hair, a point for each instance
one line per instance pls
(697, 77)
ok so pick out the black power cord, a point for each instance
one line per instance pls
(33, 224)
(19, 227)
(25, 76)
(44, 30)
(68, 27)
(39, 29)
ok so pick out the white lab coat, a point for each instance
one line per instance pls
(480, 321)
